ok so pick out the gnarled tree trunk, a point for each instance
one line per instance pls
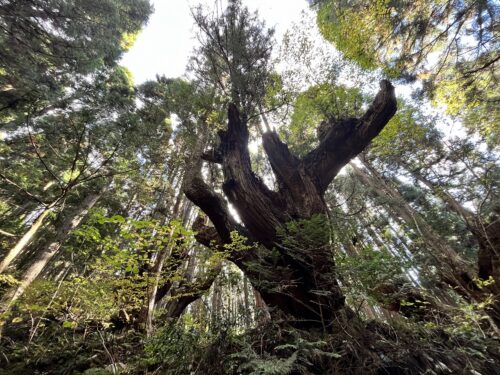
(298, 280)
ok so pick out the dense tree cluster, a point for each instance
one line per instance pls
(251, 217)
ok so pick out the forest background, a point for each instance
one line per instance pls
(311, 199)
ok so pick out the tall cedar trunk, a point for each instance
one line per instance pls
(216, 308)
(298, 281)
(46, 253)
(27, 238)
(147, 310)
(453, 270)
(487, 234)
(246, 303)
(168, 261)
(146, 315)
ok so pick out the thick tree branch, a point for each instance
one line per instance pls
(188, 292)
(212, 156)
(203, 196)
(283, 162)
(206, 235)
(213, 205)
(348, 137)
(259, 208)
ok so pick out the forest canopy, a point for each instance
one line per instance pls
(322, 203)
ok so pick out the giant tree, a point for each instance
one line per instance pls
(303, 282)
(299, 277)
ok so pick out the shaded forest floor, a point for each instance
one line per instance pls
(49, 346)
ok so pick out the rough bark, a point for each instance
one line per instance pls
(299, 282)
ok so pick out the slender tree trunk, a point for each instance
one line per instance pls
(216, 308)
(487, 234)
(157, 274)
(246, 303)
(45, 254)
(182, 208)
(26, 239)
(159, 290)
(453, 269)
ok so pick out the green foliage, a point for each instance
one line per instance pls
(401, 36)
(89, 305)
(350, 33)
(409, 136)
(254, 365)
(449, 45)
(122, 251)
(176, 347)
(370, 269)
(323, 102)
(47, 44)
(238, 243)
(7, 281)
(234, 56)
(469, 321)
(75, 302)
(184, 347)
(306, 234)
(49, 156)
(471, 101)
(97, 371)
(299, 355)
